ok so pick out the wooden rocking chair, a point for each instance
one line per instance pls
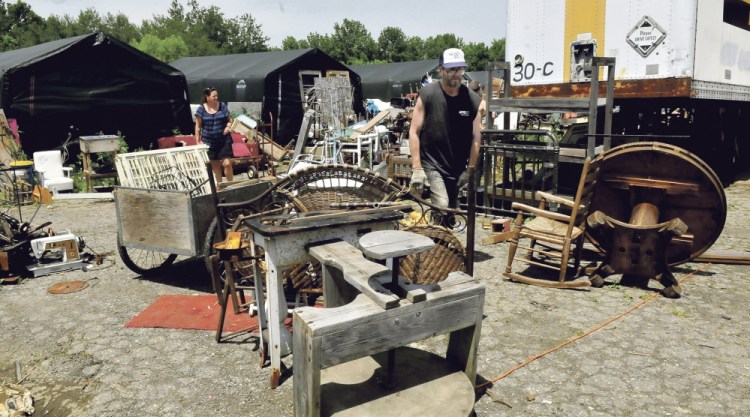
(553, 235)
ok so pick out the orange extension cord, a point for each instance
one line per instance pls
(569, 341)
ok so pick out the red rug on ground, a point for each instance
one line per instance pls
(196, 312)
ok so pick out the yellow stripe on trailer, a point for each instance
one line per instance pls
(584, 19)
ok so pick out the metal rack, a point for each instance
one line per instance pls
(518, 163)
(506, 103)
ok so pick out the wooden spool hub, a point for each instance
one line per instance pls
(649, 183)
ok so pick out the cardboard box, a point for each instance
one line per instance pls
(239, 127)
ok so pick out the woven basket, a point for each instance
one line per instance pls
(433, 266)
(316, 187)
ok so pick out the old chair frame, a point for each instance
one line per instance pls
(554, 235)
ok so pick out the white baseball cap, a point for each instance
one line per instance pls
(452, 58)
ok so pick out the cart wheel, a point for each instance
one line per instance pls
(252, 172)
(243, 269)
(145, 262)
(212, 236)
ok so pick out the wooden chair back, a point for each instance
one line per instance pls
(584, 193)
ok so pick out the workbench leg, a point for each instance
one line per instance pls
(280, 340)
(306, 376)
(463, 345)
(260, 302)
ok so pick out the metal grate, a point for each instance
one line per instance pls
(515, 166)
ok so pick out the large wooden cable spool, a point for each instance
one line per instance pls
(674, 182)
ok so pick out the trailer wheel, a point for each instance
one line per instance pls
(145, 262)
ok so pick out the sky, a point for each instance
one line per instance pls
(471, 20)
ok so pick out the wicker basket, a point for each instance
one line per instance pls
(434, 265)
(316, 187)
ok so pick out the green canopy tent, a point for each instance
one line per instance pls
(278, 80)
(94, 83)
(397, 79)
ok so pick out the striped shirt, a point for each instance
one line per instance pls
(212, 129)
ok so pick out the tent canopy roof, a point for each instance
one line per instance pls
(24, 57)
(95, 83)
(383, 81)
(251, 65)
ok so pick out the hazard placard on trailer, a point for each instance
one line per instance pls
(646, 35)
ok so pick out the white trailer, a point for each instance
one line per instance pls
(682, 66)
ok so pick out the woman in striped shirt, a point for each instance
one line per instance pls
(212, 123)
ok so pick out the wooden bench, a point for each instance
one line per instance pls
(376, 320)
(343, 263)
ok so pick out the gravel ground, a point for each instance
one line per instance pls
(686, 356)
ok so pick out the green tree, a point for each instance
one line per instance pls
(352, 42)
(245, 35)
(16, 16)
(206, 31)
(477, 55)
(322, 42)
(88, 21)
(17, 24)
(290, 43)
(7, 42)
(435, 45)
(415, 49)
(392, 45)
(165, 50)
(56, 27)
(497, 50)
(119, 26)
(174, 22)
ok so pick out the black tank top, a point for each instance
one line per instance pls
(447, 131)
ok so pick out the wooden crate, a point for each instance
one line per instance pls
(399, 169)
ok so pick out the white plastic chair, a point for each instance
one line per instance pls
(52, 174)
(364, 145)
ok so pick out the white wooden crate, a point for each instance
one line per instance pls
(181, 168)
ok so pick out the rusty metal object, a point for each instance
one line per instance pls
(658, 204)
(648, 88)
(67, 287)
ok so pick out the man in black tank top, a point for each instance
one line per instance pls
(445, 131)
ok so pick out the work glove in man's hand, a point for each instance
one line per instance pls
(463, 180)
(418, 179)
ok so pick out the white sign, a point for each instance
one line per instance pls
(645, 36)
